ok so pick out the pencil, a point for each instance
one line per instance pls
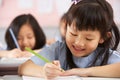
(39, 56)
(14, 38)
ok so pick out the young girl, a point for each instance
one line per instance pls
(89, 47)
(28, 33)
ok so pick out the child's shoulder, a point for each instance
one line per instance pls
(60, 46)
(114, 52)
(60, 43)
(111, 52)
(57, 45)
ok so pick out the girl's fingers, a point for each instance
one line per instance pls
(69, 72)
(57, 63)
(51, 70)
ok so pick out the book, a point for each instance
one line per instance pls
(57, 78)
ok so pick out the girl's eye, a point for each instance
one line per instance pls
(30, 37)
(19, 38)
(73, 34)
(89, 39)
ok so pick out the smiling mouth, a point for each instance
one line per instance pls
(78, 49)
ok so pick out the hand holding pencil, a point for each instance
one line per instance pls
(52, 69)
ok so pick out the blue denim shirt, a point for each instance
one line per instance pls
(57, 51)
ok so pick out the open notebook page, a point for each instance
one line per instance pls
(57, 78)
(12, 62)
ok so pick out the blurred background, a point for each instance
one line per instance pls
(47, 12)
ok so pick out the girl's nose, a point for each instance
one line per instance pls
(79, 42)
(25, 42)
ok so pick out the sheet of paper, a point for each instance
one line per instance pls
(57, 78)
(12, 61)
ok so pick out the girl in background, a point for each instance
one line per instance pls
(28, 33)
(62, 30)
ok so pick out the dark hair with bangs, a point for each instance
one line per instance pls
(17, 23)
(88, 16)
(94, 15)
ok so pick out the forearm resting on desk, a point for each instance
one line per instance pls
(30, 69)
(112, 70)
(9, 53)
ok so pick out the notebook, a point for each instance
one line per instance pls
(12, 61)
(57, 78)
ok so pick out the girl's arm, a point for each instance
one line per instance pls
(30, 69)
(49, 71)
(112, 70)
(14, 53)
(3, 53)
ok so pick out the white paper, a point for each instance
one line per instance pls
(57, 78)
(31, 78)
(12, 62)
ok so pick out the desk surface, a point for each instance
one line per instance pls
(9, 66)
(16, 77)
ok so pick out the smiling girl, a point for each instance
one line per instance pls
(89, 46)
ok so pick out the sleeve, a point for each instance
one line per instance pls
(47, 52)
(114, 57)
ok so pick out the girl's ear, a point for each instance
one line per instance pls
(108, 36)
(101, 40)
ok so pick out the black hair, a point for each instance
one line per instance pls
(17, 23)
(94, 15)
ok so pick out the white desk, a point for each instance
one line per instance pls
(9, 66)
(16, 77)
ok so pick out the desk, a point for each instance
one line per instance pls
(10, 66)
(12, 77)
(16, 77)
(8, 70)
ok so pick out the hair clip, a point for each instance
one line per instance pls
(76, 1)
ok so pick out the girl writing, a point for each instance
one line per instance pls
(28, 33)
(89, 46)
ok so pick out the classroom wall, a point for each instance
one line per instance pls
(47, 12)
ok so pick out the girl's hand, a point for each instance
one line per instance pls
(17, 53)
(26, 54)
(14, 53)
(77, 71)
(52, 70)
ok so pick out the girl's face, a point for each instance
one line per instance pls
(26, 37)
(82, 43)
